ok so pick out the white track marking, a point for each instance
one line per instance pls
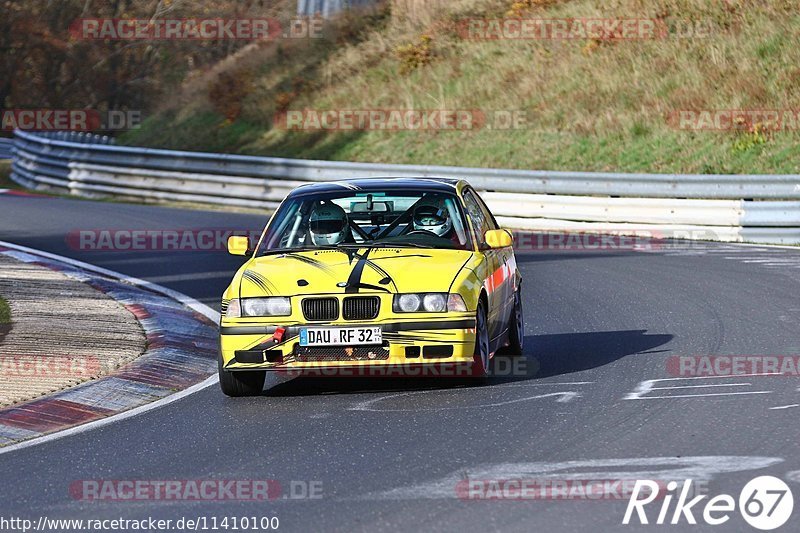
(671, 396)
(785, 406)
(565, 396)
(757, 246)
(794, 475)
(568, 383)
(647, 386)
(776, 262)
(182, 298)
(367, 405)
(657, 468)
(509, 385)
(703, 386)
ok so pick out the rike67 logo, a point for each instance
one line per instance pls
(765, 503)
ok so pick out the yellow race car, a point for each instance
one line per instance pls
(380, 276)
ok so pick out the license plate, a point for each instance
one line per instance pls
(340, 336)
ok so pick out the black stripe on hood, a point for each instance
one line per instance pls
(355, 275)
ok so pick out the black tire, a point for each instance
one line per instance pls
(242, 382)
(516, 326)
(480, 360)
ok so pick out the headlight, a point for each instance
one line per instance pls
(434, 303)
(430, 302)
(259, 307)
(407, 303)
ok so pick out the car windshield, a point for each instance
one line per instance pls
(375, 218)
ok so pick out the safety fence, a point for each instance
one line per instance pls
(750, 208)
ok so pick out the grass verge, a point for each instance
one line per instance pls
(5, 318)
(5, 175)
(5, 313)
(597, 105)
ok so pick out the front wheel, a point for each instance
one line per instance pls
(480, 361)
(241, 383)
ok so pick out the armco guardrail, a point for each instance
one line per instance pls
(5, 148)
(757, 208)
(327, 8)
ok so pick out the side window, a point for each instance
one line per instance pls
(481, 219)
(492, 223)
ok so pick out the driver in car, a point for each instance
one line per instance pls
(328, 225)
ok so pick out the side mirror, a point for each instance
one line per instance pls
(498, 238)
(238, 245)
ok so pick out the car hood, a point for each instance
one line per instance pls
(353, 270)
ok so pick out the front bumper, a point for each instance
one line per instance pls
(253, 346)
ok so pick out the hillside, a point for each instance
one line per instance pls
(590, 104)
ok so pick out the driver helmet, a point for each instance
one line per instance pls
(328, 225)
(433, 218)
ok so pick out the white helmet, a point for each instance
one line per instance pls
(433, 219)
(328, 225)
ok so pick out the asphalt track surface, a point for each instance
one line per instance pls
(389, 454)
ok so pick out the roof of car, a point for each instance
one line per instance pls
(368, 184)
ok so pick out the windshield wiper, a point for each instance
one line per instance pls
(278, 251)
(399, 245)
(345, 246)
